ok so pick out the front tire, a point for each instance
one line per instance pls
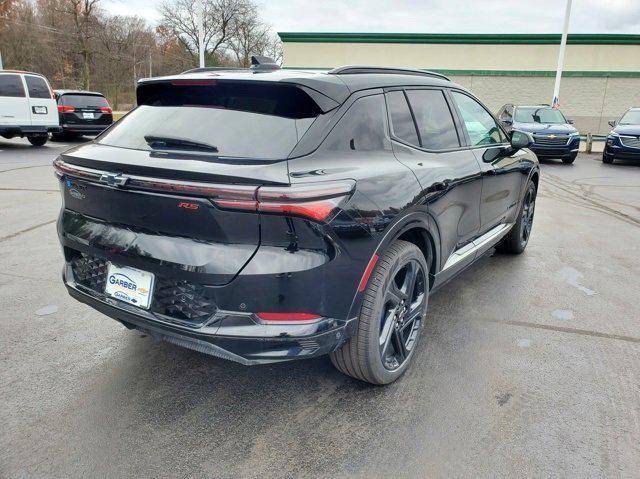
(570, 160)
(391, 318)
(517, 239)
(607, 159)
(38, 140)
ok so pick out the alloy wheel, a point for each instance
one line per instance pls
(404, 308)
(528, 210)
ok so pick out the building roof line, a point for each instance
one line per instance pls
(460, 38)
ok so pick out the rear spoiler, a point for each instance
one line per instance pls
(325, 102)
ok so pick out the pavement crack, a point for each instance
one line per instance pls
(562, 329)
(26, 230)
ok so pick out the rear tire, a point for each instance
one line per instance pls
(391, 318)
(38, 140)
(517, 239)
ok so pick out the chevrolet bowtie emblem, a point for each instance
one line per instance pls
(551, 136)
(114, 179)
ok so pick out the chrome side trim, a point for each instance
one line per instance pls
(489, 238)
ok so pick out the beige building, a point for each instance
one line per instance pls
(601, 74)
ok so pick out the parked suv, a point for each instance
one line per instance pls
(553, 135)
(269, 215)
(623, 142)
(82, 113)
(27, 107)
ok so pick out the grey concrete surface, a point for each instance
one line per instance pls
(528, 365)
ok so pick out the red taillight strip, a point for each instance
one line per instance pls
(367, 273)
(65, 108)
(288, 316)
(63, 168)
(193, 82)
(106, 109)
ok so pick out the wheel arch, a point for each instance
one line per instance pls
(418, 228)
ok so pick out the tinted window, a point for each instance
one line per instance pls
(11, 85)
(545, 115)
(435, 123)
(37, 87)
(241, 121)
(362, 128)
(480, 125)
(402, 124)
(83, 101)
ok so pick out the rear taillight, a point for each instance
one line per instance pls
(65, 108)
(279, 317)
(314, 200)
(106, 109)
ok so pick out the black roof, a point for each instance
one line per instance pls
(335, 85)
(77, 92)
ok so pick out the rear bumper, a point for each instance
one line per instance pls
(234, 336)
(84, 129)
(25, 130)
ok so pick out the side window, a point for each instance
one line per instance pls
(435, 123)
(402, 123)
(362, 128)
(37, 87)
(11, 85)
(480, 125)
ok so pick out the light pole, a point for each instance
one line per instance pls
(555, 102)
(200, 20)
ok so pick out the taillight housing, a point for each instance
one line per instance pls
(309, 200)
(106, 109)
(65, 109)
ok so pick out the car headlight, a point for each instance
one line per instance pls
(574, 134)
(613, 133)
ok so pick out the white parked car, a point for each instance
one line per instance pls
(27, 107)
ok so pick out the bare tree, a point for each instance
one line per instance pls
(220, 20)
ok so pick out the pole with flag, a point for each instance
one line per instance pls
(200, 21)
(555, 103)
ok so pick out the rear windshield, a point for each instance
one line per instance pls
(539, 115)
(83, 101)
(239, 121)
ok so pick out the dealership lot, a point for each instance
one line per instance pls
(528, 365)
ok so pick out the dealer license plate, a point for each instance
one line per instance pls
(130, 285)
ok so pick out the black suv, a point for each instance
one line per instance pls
(82, 113)
(267, 215)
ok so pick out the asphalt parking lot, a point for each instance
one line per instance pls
(528, 366)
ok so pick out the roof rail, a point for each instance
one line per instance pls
(356, 69)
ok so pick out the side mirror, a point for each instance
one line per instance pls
(521, 139)
(570, 121)
(612, 123)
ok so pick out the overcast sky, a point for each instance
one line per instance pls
(426, 16)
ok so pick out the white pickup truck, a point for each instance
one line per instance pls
(27, 107)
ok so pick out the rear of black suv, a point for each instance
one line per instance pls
(210, 246)
(83, 112)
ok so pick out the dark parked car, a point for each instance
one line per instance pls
(82, 113)
(624, 140)
(553, 135)
(269, 215)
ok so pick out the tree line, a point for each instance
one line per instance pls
(78, 44)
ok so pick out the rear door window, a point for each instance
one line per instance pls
(11, 85)
(402, 124)
(480, 125)
(37, 87)
(83, 101)
(433, 117)
(237, 119)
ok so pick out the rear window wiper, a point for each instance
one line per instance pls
(167, 143)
